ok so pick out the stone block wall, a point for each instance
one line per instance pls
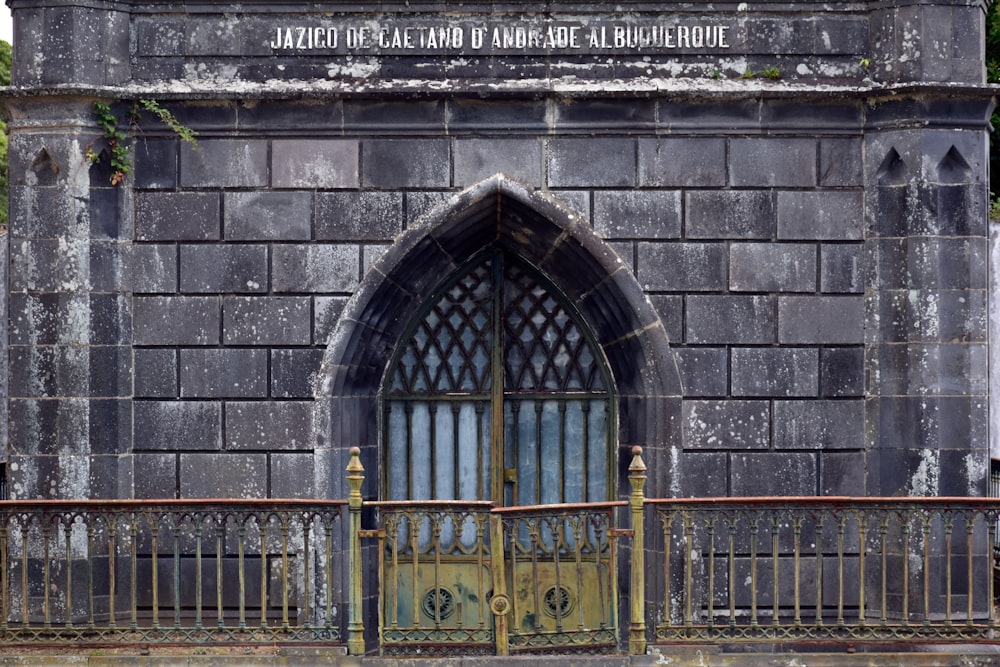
(812, 250)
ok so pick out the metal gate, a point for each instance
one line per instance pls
(474, 579)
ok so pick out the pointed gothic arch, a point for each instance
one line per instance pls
(557, 242)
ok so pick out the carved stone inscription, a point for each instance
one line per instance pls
(487, 37)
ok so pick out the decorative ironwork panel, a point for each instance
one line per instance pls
(134, 572)
(563, 582)
(449, 351)
(858, 569)
(544, 348)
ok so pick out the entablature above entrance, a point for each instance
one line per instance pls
(513, 46)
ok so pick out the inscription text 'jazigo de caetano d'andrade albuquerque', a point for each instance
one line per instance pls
(472, 37)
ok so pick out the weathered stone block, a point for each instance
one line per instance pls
(315, 163)
(68, 319)
(767, 162)
(326, 312)
(933, 316)
(670, 308)
(155, 475)
(842, 371)
(842, 474)
(652, 214)
(225, 373)
(772, 267)
(726, 424)
(775, 371)
(292, 475)
(370, 254)
(161, 425)
(704, 475)
(704, 371)
(64, 265)
(840, 162)
(347, 216)
(842, 268)
(176, 320)
(682, 162)
(731, 319)
(293, 372)
(406, 163)
(269, 425)
(478, 159)
(223, 475)
(946, 263)
(592, 162)
(153, 267)
(177, 216)
(389, 115)
(268, 216)
(735, 214)
(678, 267)
(155, 373)
(932, 369)
(224, 163)
(267, 320)
(819, 425)
(44, 213)
(223, 268)
(314, 268)
(773, 474)
(932, 423)
(833, 320)
(156, 164)
(837, 215)
(420, 203)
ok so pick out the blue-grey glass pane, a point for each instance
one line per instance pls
(597, 455)
(444, 453)
(527, 455)
(575, 450)
(473, 454)
(550, 469)
(399, 457)
(420, 424)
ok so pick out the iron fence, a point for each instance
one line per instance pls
(213, 571)
(825, 569)
(469, 576)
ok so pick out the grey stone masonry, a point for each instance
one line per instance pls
(787, 278)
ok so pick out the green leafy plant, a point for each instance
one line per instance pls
(772, 73)
(121, 164)
(117, 138)
(748, 74)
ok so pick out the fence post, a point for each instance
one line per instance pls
(637, 501)
(355, 624)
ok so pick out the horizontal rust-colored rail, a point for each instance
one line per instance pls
(217, 571)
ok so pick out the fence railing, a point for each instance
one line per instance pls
(213, 571)
(471, 577)
(827, 569)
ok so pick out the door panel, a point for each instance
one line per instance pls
(498, 393)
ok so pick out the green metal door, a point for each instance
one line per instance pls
(498, 393)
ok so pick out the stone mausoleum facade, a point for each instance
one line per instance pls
(767, 221)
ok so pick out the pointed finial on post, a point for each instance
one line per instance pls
(637, 503)
(355, 625)
(355, 477)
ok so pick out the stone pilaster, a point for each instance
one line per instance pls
(69, 353)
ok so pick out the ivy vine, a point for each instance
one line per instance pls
(117, 138)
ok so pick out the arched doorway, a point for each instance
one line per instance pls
(563, 257)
